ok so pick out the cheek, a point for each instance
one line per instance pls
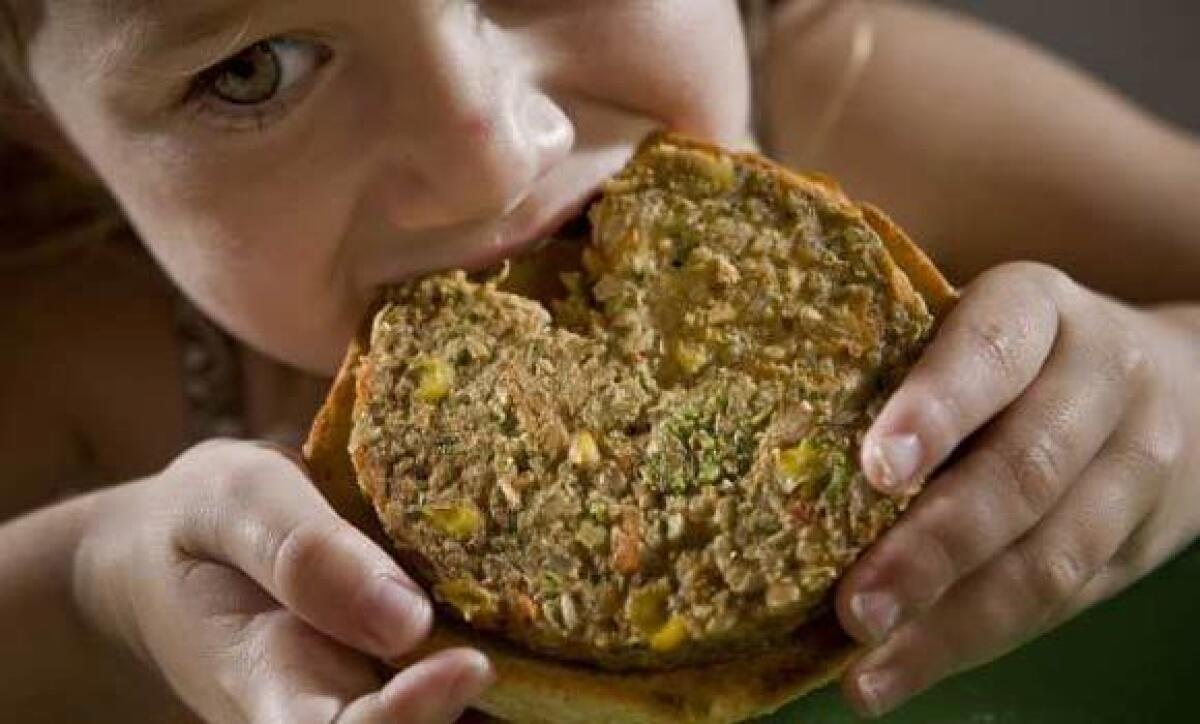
(268, 276)
(256, 241)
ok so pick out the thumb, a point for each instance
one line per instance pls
(264, 517)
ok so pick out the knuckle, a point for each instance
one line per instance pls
(1009, 271)
(939, 417)
(992, 341)
(936, 556)
(1054, 280)
(1032, 473)
(210, 445)
(242, 470)
(198, 459)
(303, 549)
(1134, 558)
(1051, 578)
(239, 480)
(1153, 456)
(1123, 356)
(1127, 360)
(1047, 278)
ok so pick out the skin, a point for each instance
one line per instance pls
(442, 134)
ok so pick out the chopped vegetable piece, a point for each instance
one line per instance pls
(671, 636)
(584, 452)
(468, 597)
(800, 465)
(435, 378)
(461, 521)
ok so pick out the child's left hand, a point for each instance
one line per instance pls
(1078, 475)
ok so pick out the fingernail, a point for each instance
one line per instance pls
(877, 613)
(477, 677)
(474, 677)
(893, 461)
(879, 691)
(401, 618)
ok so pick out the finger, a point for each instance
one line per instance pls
(987, 352)
(1151, 447)
(1016, 595)
(233, 654)
(1015, 472)
(434, 691)
(283, 670)
(264, 517)
(262, 663)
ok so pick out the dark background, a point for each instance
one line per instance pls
(1148, 49)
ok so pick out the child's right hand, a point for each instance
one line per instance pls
(231, 575)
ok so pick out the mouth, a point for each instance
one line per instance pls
(527, 255)
(533, 264)
(568, 226)
(549, 229)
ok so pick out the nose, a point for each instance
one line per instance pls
(486, 138)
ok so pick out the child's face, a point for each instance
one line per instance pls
(285, 158)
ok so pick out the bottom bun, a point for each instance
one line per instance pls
(535, 690)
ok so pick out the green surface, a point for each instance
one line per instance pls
(1133, 659)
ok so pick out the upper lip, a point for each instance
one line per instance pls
(482, 247)
(517, 237)
(484, 244)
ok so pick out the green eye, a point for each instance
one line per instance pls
(262, 72)
(250, 78)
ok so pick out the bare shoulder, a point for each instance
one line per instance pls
(807, 53)
(840, 96)
(843, 80)
(90, 388)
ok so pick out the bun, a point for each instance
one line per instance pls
(738, 215)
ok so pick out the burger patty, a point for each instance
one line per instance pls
(660, 468)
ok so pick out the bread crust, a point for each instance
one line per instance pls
(533, 689)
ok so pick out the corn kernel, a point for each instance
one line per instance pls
(468, 597)
(691, 358)
(460, 521)
(671, 636)
(584, 453)
(720, 171)
(799, 465)
(435, 377)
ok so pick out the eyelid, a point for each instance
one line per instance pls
(227, 116)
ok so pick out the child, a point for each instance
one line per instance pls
(281, 161)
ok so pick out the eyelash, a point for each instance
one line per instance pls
(205, 103)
